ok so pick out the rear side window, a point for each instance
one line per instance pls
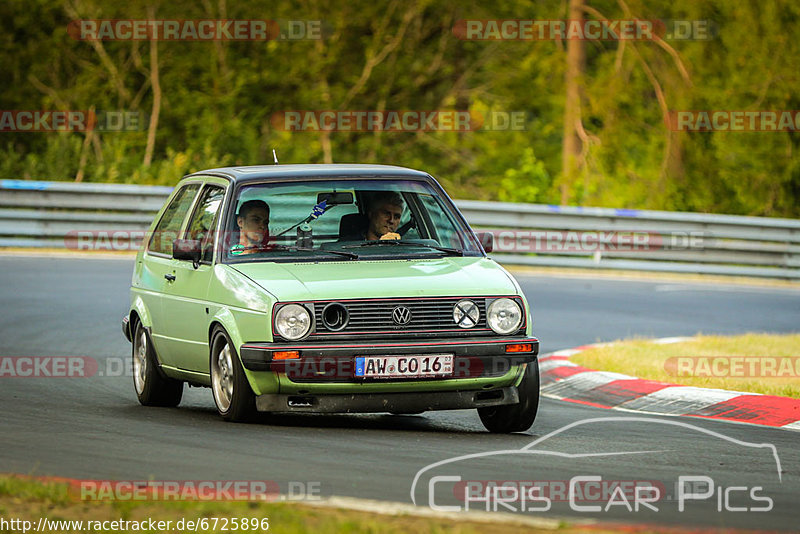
(169, 226)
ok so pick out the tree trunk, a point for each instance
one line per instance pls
(87, 140)
(156, 85)
(576, 66)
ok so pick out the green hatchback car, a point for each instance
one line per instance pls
(328, 288)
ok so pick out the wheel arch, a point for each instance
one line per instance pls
(225, 320)
(140, 312)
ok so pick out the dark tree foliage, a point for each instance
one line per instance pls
(207, 104)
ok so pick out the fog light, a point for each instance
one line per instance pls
(520, 347)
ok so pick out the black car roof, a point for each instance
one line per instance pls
(259, 172)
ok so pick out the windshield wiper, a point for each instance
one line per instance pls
(395, 242)
(351, 255)
(263, 248)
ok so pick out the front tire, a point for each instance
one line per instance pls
(151, 386)
(233, 395)
(515, 417)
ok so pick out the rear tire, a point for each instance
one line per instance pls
(515, 417)
(233, 395)
(152, 387)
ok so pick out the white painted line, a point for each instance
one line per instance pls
(565, 352)
(679, 400)
(33, 253)
(670, 340)
(581, 383)
(552, 364)
(402, 509)
(792, 426)
(755, 288)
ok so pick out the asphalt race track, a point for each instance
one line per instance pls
(93, 428)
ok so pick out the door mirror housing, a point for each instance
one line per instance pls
(487, 240)
(186, 249)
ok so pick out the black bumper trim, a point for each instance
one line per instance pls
(258, 356)
(413, 402)
(126, 328)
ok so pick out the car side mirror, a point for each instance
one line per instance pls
(487, 240)
(186, 249)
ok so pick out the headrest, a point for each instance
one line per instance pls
(352, 226)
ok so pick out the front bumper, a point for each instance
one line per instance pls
(387, 402)
(126, 328)
(473, 357)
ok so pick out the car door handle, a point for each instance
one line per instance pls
(170, 277)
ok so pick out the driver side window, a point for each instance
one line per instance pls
(201, 227)
(170, 224)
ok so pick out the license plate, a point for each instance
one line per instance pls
(405, 366)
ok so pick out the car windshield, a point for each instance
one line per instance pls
(344, 219)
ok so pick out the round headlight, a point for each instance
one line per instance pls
(504, 316)
(292, 321)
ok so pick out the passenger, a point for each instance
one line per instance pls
(253, 224)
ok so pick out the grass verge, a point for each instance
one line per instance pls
(755, 363)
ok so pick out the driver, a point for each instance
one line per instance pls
(253, 224)
(383, 216)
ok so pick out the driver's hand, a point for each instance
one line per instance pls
(390, 235)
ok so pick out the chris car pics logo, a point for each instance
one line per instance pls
(590, 486)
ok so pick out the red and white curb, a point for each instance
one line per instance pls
(564, 380)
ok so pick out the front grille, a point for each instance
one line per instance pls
(430, 316)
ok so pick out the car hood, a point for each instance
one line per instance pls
(380, 278)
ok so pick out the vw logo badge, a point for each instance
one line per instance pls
(401, 315)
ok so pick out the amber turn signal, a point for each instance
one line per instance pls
(519, 347)
(287, 355)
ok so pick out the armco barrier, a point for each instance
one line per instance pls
(43, 214)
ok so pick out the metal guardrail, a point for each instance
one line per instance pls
(47, 214)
